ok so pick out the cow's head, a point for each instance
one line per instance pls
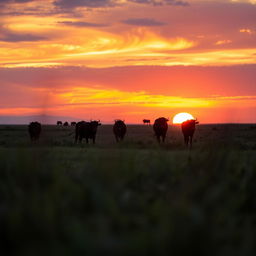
(96, 123)
(119, 121)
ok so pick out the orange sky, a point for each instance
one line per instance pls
(129, 59)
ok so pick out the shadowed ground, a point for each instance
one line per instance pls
(135, 197)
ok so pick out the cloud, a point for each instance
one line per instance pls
(84, 3)
(221, 42)
(102, 45)
(161, 2)
(125, 92)
(189, 81)
(15, 1)
(143, 22)
(27, 7)
(178, 3)
(82, 24)
(12, 37)
(146, 2)
(110, 3)
(246, 30)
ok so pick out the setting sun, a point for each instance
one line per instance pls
(181, 117)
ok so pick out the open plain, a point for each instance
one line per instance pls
(132, 198)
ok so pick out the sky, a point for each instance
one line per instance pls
(128, 59)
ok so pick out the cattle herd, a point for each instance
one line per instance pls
(88, 130)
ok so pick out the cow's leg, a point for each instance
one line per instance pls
(116, 138)
(158, 138)
(93, 139)
(186, 138)
(80, 139)
(163, 137)
(190, 141)
(87, 140)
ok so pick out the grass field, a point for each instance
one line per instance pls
(132, 198)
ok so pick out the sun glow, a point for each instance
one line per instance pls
(181, 117)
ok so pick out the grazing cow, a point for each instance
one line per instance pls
(59, 123)
(34, 130)
(146, 121)
(119, 130)
(188, 128)
(73, 123)
(65, 124)
(160, 128)
(86, 130)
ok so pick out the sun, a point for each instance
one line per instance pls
(181, 117)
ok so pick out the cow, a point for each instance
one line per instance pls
(34, 130)
(86, 130)
(188, 128)
(146, 121)
(65, 124)
(119, 130)
(59, 123)
(160, 128)
(73, 123)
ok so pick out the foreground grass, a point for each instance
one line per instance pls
(120, 201)
(128, 199)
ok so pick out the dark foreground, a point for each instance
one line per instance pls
(132, 198)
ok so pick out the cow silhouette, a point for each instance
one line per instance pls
(188, 128)
(34, 130)
(59, 123)
(146, 121)
(86, 130)
(119, 130)
(160, 128)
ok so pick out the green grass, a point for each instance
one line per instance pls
(132, 198)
